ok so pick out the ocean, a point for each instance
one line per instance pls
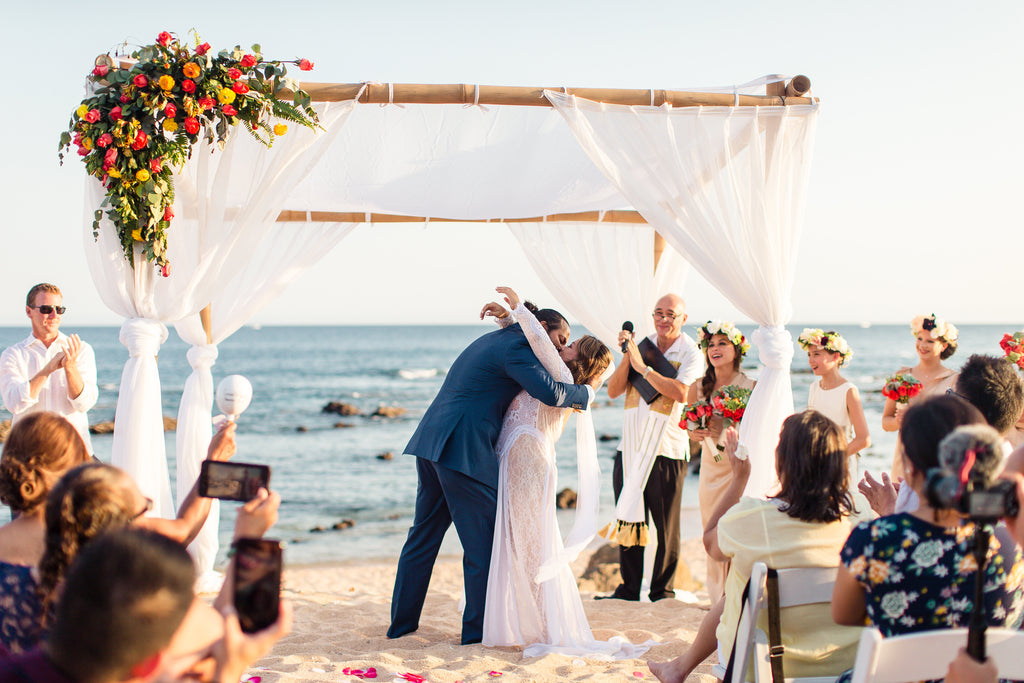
(326, 474)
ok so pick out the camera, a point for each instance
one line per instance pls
(969, 458)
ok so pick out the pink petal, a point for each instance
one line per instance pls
(638, 674)
(493, 673)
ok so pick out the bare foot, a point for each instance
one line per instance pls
(669, 672)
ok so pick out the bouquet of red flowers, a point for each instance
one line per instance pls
(730, 402)
(696, 415)
(901, 387)
(1013, 346)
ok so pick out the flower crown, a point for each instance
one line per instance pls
(832, 342)
(939, 328)
(1013, 346)
(712, 327)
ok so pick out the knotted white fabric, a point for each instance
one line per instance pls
(726, 187)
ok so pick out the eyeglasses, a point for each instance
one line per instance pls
(953, 392)
(658, 315)
(143, 511)
(47, 309)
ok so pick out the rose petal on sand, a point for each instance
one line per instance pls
(638, 674)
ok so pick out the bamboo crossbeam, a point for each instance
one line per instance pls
(615, 216)
(461, 93)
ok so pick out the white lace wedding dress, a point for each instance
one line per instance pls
(532, 598)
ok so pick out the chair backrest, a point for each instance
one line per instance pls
(797, 586)
(926, 655)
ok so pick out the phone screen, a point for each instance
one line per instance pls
(232, 480)
(257, 582)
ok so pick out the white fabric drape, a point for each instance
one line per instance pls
(224, 202)
(603, 274)
(282, 255)
(725, 186)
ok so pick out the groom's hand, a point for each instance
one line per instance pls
(495, 309)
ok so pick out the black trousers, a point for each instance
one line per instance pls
(663, 497)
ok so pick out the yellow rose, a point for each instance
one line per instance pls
(87, 143)
(82, 111)
(137, 235)
(113, 172)
(142, 175)
(226, 96)
(170, 126)
(166, 82)
(280, 129)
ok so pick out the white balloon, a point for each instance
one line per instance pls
(234, 393)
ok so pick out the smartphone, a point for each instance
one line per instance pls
(232, 480)
(257, 582)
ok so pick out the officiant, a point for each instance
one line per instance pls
(653, 457)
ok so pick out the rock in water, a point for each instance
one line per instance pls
(343, 409)
(387, 455)
(389, 411)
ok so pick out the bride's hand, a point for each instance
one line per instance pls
(495, 309)
(510, 296)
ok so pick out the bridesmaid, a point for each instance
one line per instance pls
(936, 341)
(724, 347)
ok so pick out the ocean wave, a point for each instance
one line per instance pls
(417, 373)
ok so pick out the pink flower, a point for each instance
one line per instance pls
(110, 158)
(166, 270)
(202, 49)
(82, 151)
(248, 61)
(156, 165)
(104, 140)
(239, 87)
(207, 102)
(188, 86)
(229, 110)
(125, 99)
(305, 64)
(234, 73)
(164, 38)
(168, 213)
(170, 110)
(115, 114)
(101, 70)
(93, 116)
(140, 81)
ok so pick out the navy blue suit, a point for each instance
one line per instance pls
(458, 469)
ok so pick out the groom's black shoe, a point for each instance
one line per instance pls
(619, 594)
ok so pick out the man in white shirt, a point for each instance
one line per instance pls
(662, 495)
(49, 370)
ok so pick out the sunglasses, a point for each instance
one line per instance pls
(47, 309)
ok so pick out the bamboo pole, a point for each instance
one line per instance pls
(616, 216)
(798, 87)
(206, 318)
(659, 249)
(460, 93)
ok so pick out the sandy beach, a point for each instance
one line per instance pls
(342, 613)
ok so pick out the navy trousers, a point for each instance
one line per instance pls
(444, 496)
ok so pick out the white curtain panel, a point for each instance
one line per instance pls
(275, 262)
(225, 202)
(726, 186)
(603, 274)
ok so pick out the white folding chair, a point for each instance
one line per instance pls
(800, 586)
(926, 655)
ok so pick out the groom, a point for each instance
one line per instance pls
(457, 466)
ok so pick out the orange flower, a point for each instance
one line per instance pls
(191, 69)
(280, 129)
(877, 571)
(166, 82)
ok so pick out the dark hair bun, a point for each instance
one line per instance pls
(530, 306)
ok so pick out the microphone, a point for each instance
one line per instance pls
(626, 327)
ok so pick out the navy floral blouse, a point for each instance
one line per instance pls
(20, 608)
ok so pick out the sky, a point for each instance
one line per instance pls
(912, 206)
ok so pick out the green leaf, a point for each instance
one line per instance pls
(256, 48)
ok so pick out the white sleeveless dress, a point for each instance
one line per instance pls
(532, 598)
(832, 404)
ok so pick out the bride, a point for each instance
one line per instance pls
(532, 598)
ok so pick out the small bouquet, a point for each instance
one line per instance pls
(697, 415)
(1013, 346)
(730, 402)
(901, 387)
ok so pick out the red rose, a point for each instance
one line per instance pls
(248, 61)
(229, 110)
(305, 64)
(207, 102)
(140, 81)
(192, 125)
(188, 86)
(125, 99)
(109, 158)
(234, 73)
(156, 165)
(115, 114)
(166, 270)
(902, 391)
(101, 70)
(240, 88)
(93, 116)
(202, 49)
(140, 141)
(168, 213)
(170, 110)
(82, 151)
(164, 38)
(104, 140)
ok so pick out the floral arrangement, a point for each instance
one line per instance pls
(140, 123)
(697, 415)
(901, 387)
(939, 328)
(831, 341)
(1013, 346)
(730, 402)
(712, 327)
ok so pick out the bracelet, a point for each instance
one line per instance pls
(647, 371)
(502, 317)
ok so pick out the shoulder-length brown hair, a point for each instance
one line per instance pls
(41, 447)
(592, 359)
(811, 463)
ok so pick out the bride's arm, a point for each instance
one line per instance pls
(538, 337)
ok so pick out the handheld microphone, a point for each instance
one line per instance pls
(626, 327)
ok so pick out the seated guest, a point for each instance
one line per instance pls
(40, 448)
(804, 525)
(913, 571)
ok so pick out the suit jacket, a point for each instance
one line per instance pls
(460, 428)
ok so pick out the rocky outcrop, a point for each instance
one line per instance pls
(389, 411)
(343, 409)
(107, 427)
